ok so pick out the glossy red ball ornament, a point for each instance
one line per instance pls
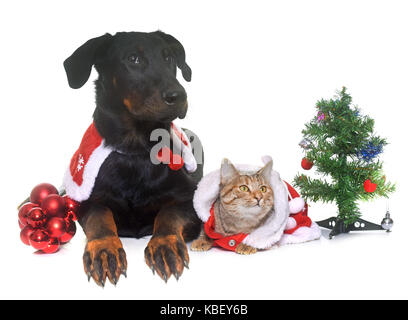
(21, 225)
(369, 186)
(39, 239)
(53, 246)
(54, 206)
(23, 212)
(71, 207)
(71, 230)
(41, 191)
(25, 234)
(71, 216)
(306, 164)
(36, 218)
(56, 227)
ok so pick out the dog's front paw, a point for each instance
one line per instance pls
(167, 255)
(105, 258)
(244, 249)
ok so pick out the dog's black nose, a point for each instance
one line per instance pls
(173, 97)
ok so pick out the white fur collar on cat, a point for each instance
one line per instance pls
(272, 231)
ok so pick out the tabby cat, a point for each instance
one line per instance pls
(245, 201)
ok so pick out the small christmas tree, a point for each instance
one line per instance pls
(339, 142)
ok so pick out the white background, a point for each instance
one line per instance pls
(258, 69)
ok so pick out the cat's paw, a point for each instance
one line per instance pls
(244, 249)
(201, 244)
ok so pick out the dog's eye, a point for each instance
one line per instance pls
(168, 58)
(134, 58)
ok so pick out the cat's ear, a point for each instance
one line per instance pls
(266, 171)
(228, 171)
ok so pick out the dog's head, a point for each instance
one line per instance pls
(137, 74)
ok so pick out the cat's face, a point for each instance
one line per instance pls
(249, 194)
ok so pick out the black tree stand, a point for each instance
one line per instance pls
(337, 226)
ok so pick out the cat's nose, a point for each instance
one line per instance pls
(258, 197)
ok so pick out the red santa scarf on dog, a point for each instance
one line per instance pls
(84, 167)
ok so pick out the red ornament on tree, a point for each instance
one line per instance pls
(23, 212)
(39, 239)
(54, 206)
(25, 234)
(369, 186)
(36, 218)
(56, 227)
(41, 191)
(306, 164)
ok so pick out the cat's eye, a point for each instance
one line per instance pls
(263, 189)
(244, 188)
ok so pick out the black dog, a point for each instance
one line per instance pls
(136, 93)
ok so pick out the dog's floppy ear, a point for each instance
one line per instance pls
(79, 65)
(179, 53)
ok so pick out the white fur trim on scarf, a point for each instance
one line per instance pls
(303, 234)
(82, 192)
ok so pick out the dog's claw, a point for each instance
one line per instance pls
(114, 280)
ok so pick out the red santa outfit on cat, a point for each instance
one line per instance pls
(288, 224)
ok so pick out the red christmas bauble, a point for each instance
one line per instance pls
(53, 246)
(71, 207)
(176, 162)
(54, 206)
(369, 186)
(23, 212)
(21, 225)
(71, 230)
(306, 164)
(56, 227)
(36, 218)
(25, 234)
(41, 191)
(39, 239)
(71, 216)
